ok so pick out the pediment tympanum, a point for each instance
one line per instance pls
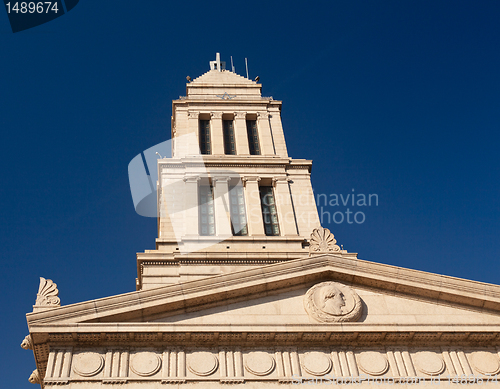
(255, 325)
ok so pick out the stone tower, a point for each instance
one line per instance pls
(244, 201)
(245, 287)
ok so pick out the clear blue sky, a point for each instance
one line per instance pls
(396, 98)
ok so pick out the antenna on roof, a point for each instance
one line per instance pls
(246, 64)
(232, 66)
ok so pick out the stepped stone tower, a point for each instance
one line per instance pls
(245, 287)
(244, 201)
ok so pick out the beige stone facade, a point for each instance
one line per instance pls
(241, 291)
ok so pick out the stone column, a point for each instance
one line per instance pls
(278, 135)
(265, 137)
(191, 206)
(184, 147)
(240, 134)
(221, 204)
(216, 136)
(254, 209)
(286, 215)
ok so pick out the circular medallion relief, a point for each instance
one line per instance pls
(429, 362)
(259, 363)
(330, 302)
(202, 363)
(145, 363)
(485, 362)
(316, 363)
(372, 362)
(87, 364)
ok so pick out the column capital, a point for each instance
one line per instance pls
(246, 179)
(280, 180)
(240, 115)
(191, 179)
(216, 115)
(221, 178)
(263, 115)
(193, 114)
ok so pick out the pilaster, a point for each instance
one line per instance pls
(254, 209)
(240, 133)
(185, 148)
(278, 134)
(191, 205)
(266, 139)
(286, 214)
(217, 136)
(221, 203)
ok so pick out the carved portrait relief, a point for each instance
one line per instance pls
(329, 302)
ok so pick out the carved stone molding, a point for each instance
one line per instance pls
(429, 362)
(373, 363)
(35, 377)
(322, 241)
(145, 364)
(202, 363)
(47, 294)
(316, 363)
(330, 302)
(485, 362)
(259, 363)
(27, 343)
(88, 364)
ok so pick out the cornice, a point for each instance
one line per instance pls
(270, 280)
(355, 334)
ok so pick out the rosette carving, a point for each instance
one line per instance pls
(27, 343)
(322, 241)
(47, 294)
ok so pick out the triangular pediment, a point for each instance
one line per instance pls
(378, 308)
(389, 295)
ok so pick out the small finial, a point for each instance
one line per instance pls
(188, 78)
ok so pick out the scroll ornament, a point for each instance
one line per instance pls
(27, 343)
(322, 241)
(47, 294)
(35, 377)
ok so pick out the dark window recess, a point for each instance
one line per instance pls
(206, 209)
(253, 137)
(229, 144)
(205, 146)
(269, 213)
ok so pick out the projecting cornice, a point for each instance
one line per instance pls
(269, 280)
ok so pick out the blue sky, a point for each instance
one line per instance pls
(398, 99)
